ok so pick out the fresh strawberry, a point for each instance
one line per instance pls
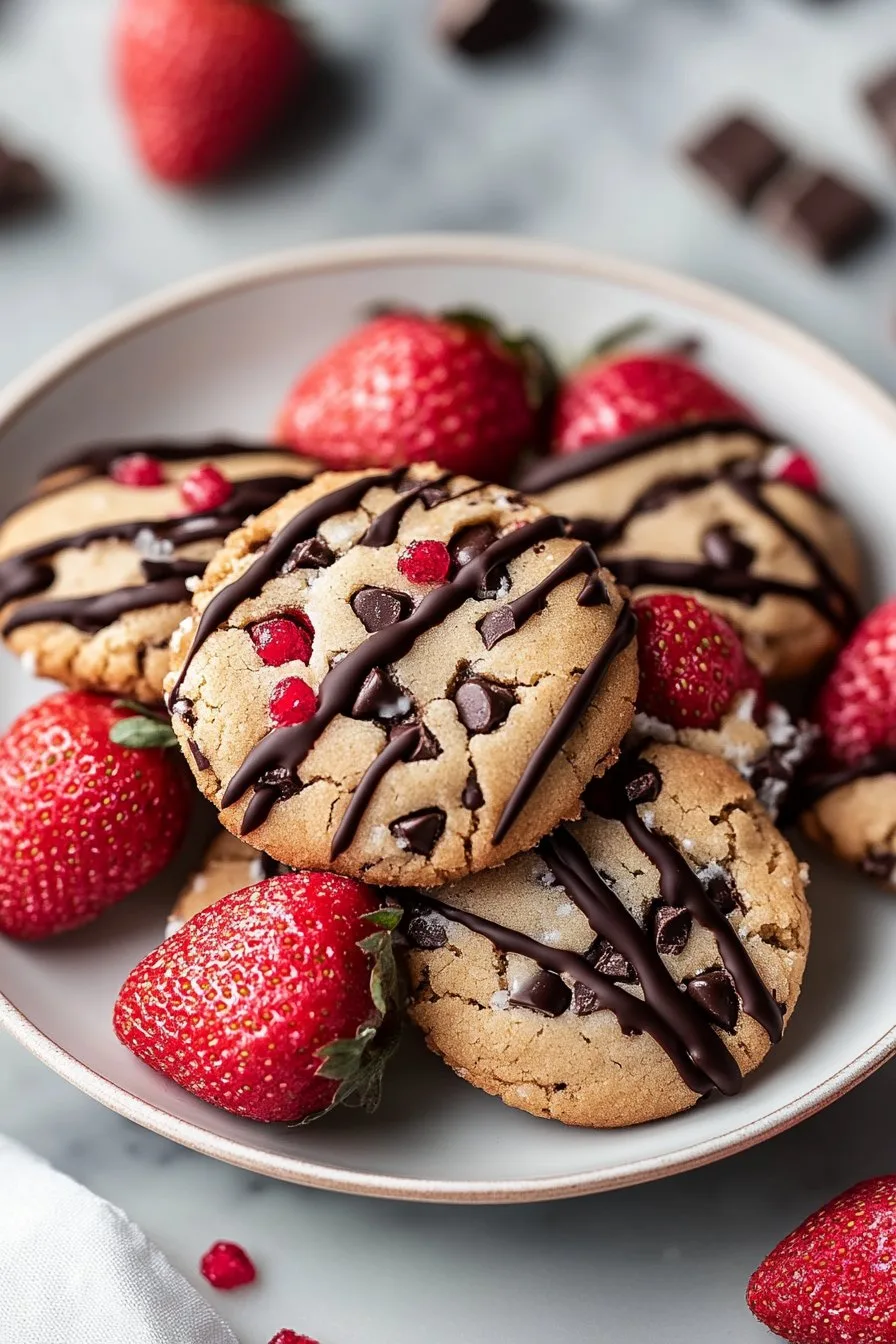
(623, 391)
(407, 387)
(856, 709)
(692, 662)
(203, 81)
(277, 1003)
(84, 819)
(831, 1281)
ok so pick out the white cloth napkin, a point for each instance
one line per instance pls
(75, 1270)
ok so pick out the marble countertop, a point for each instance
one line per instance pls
(569, 141)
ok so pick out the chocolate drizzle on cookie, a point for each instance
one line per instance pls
(726, 570)
(819, 780)
(681, 1023)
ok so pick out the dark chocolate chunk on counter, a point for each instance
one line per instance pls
(739, 156)
(481, 27)
(821, 214)
(880, 98)
(22, 184)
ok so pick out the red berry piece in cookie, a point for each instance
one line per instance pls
(84, 819)
(409, 387)
(137, 469)
(283, 639)
(205, 488)
(297, 1018)
(831, 1281)
(292, 702)
(616, 394)
(227, 1266)
(857, 706)
(796, 468)
(425, 562)
(692, 662)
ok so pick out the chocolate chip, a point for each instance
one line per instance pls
(281, 779)
(472, 796)
(722, 892)
(880, 98)
(715, 993)
(183, 709)
(381, 697)
(377, 608)
(424, 931)
(739, 156)
(604, 958)
(429, 496)
(880, 865)
(723, 549)
(420, 831)
(594, 592)
(199, 756)
(482, 27)
(584, 1000)
(427, 748)
(468, 545)
(314, 553)
(497, 625)
(671, 929)
(483, 705)
(644, 784)
(543, 993)
(821, 214)
(22, 184)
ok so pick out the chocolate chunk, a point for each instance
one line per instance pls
(483, 705)
(381, 697)
(671, 929)
(594, 592)
(715, 993)
(644, 784)
(543, 993)
(722, 548)
(472, 796)
(183, 709)
(427, 748)
(739, 156)
(199, 756)
(482, 27)
(879, 864)
(314, 553)
(469, 544)
(377, 608)
(584, 1000)
(604, 958)
(419, 831)
(22, 184)
(429, 497)
(424, 931)
(821, 214)
(281, 780)
(880, 98)
(722, 892)
(496, 626)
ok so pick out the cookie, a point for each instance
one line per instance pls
(402, 676)
(851, 811)
(96, 574)
(763, 743)
(704, 507)
(635, 961)
(229, 865)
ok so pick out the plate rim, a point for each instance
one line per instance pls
(446, 249)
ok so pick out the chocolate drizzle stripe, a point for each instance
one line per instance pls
(384, 529)
(288, 747)
(609, 918)
(817, 783)
(98, 458)
(560, 468)
(633, 1014)
(401, 748)
(679, 885)
(92, 614)
(582, 561)
(567, 719)
(300, 528)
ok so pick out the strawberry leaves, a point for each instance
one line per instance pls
(145, 729)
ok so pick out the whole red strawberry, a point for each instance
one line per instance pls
(276, 1003)
(832, 1281)
(692, 662)
(203, 81)
(84, 821)
(407, 387)
(619, 393)
(856, 709)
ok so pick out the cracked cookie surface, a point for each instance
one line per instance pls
(468, 668)
(708, 980)
(700, 508)
(95, 574)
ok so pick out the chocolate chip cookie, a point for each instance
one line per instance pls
(96, 569)
(635, 961)
(851, 811)
(229, 865)
(403, 676)
(712, 508)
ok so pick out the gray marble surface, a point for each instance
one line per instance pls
(569, 142)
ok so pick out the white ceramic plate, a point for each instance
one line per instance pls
(217, 354)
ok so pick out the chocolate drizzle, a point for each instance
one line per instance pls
(819, 781)
(506, 620)
(384, 529)
(97, 459)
